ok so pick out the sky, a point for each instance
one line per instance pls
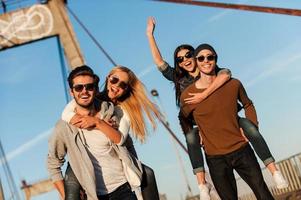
(262, 50)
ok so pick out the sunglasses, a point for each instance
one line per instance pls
(115, 80)
(180, 59)
(80, 87)
(202, 58)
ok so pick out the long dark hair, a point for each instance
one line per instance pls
(179, 72)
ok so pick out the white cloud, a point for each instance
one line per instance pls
(275, 68)
(146, 71)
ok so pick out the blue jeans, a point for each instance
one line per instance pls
(148, 186)
(123, 192)
(259, 145)
(244, 162)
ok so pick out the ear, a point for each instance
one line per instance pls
(71, 93)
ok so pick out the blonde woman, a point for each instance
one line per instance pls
(126, 92)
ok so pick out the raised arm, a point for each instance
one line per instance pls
(222, 77)
(152, 42)
(164, 67)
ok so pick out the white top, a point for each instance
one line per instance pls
(107, 166)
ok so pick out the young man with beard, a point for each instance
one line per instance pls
(96, 166)
(225, 147)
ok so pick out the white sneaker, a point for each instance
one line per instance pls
(204, 192)
(279, 180)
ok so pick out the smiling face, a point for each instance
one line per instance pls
(186, 60)
(206, 61)
(83, 90)
(117, 84)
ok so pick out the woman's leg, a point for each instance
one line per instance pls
(262, 150)
(72, 186)
(149, 186)
(195, 154)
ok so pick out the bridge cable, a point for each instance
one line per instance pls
(91, 36)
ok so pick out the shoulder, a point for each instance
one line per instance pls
(64, 128)
(235, 81)
(106, 109)
(121, 113)
(61, 124)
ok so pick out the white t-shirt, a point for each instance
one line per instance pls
(107, 166)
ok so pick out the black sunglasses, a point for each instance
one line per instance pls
(80, 87)
(202, 58)
(115, 80)
(180, 59)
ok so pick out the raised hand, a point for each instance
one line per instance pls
(150, 28)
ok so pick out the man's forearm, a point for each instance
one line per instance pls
(59, 186)
(220, 80)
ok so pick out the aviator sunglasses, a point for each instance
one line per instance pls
(202, 58)
(180, 59)
(80, 87)
(115, 80)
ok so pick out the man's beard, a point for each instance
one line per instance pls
(83, 105)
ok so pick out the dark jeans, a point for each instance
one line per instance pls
(148, 186)
(123, 192)
(71, 185)
(244, 162)
(260, 146)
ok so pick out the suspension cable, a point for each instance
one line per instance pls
(91, 36)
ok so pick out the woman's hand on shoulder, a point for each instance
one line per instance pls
(195, 98)
(84, 122)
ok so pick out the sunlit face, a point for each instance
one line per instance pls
(186, 60)
(206, 61)
(117, 84)
(83, 90)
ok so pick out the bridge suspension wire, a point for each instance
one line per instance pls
(63, 69)
(91, 36)
(8, 174)
(272, 10)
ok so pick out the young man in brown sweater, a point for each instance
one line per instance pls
(225, 147)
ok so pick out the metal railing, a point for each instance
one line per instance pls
(291, 170)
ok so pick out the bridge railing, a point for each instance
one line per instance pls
(291, 170)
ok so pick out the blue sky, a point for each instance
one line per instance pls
(262, 50)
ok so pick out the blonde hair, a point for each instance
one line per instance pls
(136, 103)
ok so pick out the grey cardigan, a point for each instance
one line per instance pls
(67, 137)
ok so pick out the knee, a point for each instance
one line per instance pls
(250, 130)
(149, 172)
(192, 138)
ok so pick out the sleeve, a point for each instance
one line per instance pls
(68, 111)
(124, 127)
(56, 154)
(247, 104)
(223, 71)
(167, 71)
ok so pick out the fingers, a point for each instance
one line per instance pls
(151, 19)
(75, 119)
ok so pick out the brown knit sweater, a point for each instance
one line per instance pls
(217, 116)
